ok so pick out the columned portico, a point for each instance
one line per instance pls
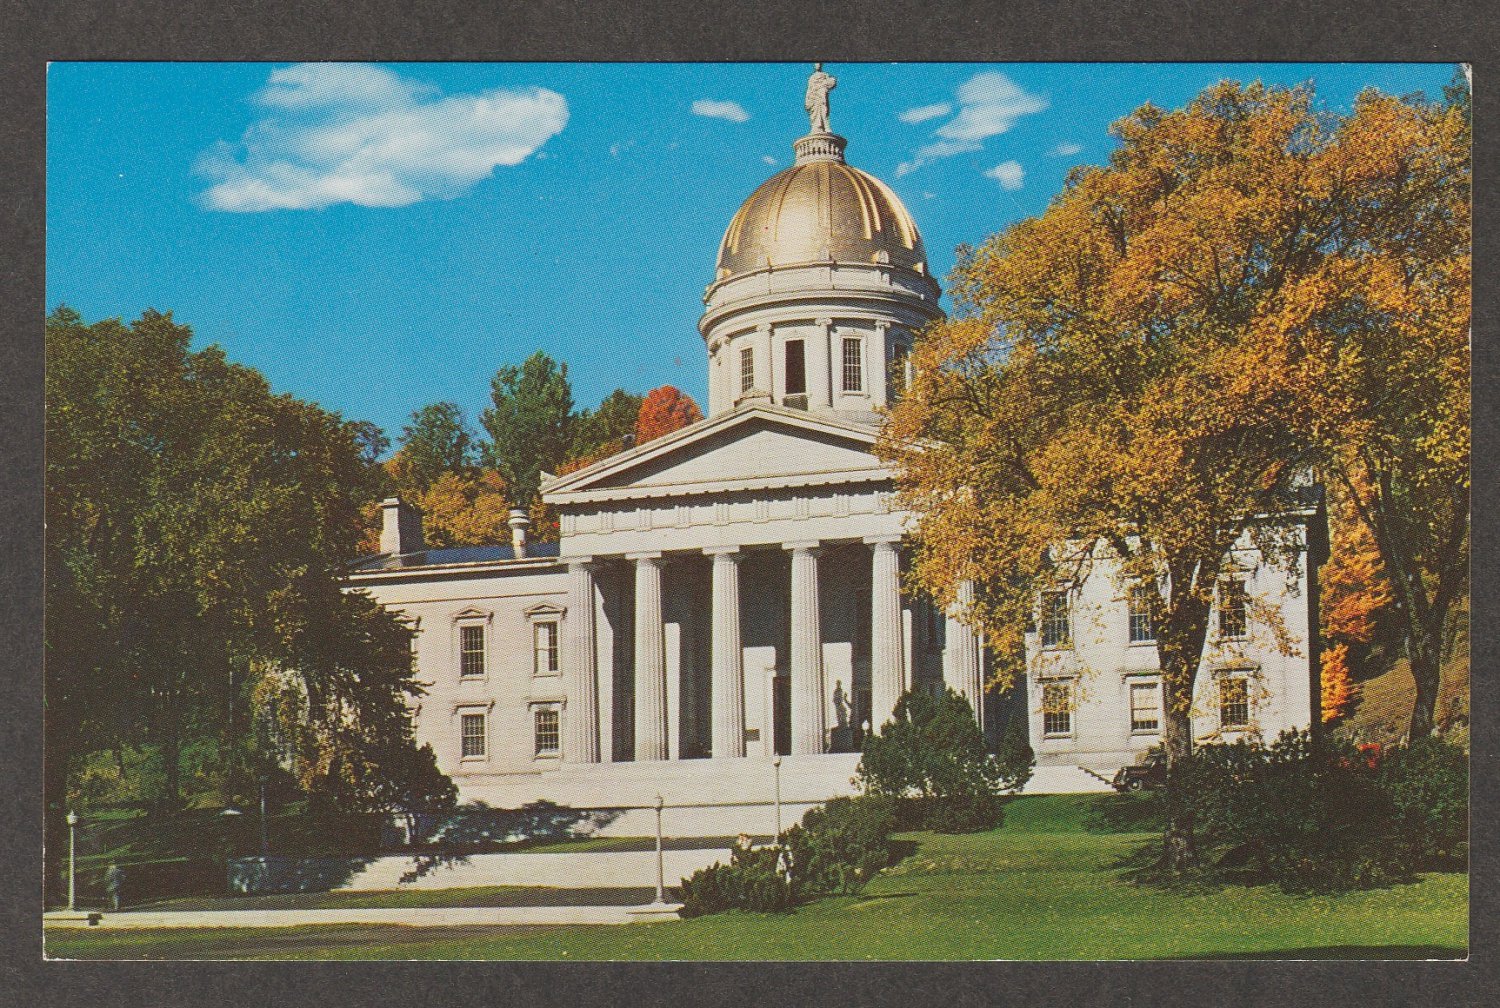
(806, 665)
(650, 660)
(962, 671)
(727, 661)
(581, 719)
(887, 651)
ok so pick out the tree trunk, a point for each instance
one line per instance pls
(171, 757)
(1424, 653)
(1179, 847)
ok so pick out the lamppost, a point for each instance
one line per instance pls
(265, 843)
(72, 855)
(776, 773)
(661, 894)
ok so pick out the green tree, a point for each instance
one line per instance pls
(608, 425)
(529, 423)
(437, 441)
(197, 527)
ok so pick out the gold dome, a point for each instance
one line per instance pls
(816, 210)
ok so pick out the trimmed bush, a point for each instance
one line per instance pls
(1329, 816)
(931, 757)
(753, 880)
(1427, 782)
(836, 849)
(840, 846)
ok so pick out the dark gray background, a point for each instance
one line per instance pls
(33, 32)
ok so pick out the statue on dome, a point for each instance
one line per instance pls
(816, 102)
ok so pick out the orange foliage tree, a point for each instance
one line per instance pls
(1119, 376)
(1354, 594)
(665, 410)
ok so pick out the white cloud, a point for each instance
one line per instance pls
(768, 159)
(922, 113)
(1066, 150)
(1009, 174)
(353, 133)
(989, 103)
(720, 110)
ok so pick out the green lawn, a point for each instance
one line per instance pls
(1047, 885)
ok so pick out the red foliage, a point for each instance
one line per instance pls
(665, 410)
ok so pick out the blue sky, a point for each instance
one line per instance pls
(379, 237)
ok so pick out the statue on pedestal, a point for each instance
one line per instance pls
(816, 102)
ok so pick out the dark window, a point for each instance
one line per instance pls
(1140, 613)
(854, 364)
(471, 650)
(548, 731)
(1234, 702)
(796, 367)
(747, 369)
(545, 635)
(1055, 630)
(472, 734)
(1232, 617)
(1145, 707)
(1057, 708)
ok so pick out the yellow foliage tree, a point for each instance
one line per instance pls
(1117, 379)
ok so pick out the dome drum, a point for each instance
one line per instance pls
(820, 282)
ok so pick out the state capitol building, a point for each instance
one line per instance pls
(733, 591)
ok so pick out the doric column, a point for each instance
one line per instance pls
(961, 668)
(727, 663)
(807, 652)
(887, 654)
(650, 660)
(581, 717)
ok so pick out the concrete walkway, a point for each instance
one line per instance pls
(408, 916)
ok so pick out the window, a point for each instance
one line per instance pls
(471, 650)
(747, 369)
(545, 636)
(471, 734)
(1232, 616)
(1141, 630)
(548, 722)
(1057, 708)
(1055, 630)
(854, 366)
(1145, 707)
(900, 368)
(1234, 702)
(796, 367)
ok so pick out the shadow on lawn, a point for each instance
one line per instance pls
(1346, 952)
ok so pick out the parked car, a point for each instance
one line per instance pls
(1150, 772)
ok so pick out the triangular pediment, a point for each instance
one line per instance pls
(752, 446)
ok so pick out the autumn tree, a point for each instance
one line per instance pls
(665, 410)
(528, 423)
(1114, 383)
(1373, 342)
(1353, 595)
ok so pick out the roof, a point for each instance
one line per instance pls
(823, 210)
(450, 557)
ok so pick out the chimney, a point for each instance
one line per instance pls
(519, 523)
(400, 527)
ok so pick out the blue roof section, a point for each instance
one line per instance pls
(449, 557)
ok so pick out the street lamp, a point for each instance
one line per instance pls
(72, 855)
(265, 843)
(776, 773)
(661, 894)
